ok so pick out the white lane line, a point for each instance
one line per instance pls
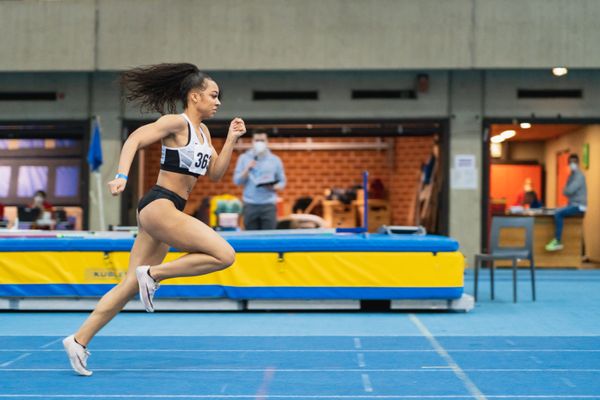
(474, 390)
(22, 356)
(361, 360)
(244, 396)
(357, 343)
(367, 383)
(424, 369)
(51, 343)
(316, 350)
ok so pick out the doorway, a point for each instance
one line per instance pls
(536, 151)
(319, 154)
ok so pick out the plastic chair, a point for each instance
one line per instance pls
(513, 254)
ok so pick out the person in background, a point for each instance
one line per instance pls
(39, 202)
(576, 192)
(528, 197)
(261, 173)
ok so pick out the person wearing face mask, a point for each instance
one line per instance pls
(261, 173)
(40, 203)
(576, 192)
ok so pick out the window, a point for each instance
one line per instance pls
(32, 178)
(53, 165)
(4, 181)
(67, 181)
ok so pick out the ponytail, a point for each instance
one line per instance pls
(161, 86)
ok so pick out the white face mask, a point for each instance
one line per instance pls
(38, 199)
(259, 147)
(573, 166)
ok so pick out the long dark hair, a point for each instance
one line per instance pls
(159, 87)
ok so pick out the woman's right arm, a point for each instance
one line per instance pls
(140, 138)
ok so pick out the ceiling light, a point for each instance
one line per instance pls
(525, 125)
(496, 150)
(508, 134)
(497, 139)
(559, 71)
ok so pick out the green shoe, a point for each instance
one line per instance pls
(554, 245)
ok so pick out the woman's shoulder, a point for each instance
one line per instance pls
(204, 128)
(174, 121)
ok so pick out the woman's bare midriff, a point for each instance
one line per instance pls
(179, 183)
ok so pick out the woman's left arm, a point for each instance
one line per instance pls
(220, 162)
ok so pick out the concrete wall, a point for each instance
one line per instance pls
(536, 33)
(75, 88)
(47, 35)
(73, 35)
(501, 94)
(275, 34)
(466, 113)
(335, 95)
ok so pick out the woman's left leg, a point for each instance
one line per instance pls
(145, 250)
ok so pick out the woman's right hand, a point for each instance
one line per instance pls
(117, 186)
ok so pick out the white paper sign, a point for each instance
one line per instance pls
(466, 161)
(464, 173)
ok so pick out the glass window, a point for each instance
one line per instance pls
(31, 144)
(67, 181)
(4, 180)
(32, 178)
(68, 143)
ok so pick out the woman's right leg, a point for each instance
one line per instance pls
(207, 250)
(145, 251)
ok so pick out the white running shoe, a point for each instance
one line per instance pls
(78, 355)
(147, 285)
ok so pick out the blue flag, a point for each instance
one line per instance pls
(94, 156)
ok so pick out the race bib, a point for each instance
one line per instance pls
(201, 160)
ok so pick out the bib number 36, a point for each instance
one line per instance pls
(202, 160)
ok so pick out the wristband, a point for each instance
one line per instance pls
(122, 176)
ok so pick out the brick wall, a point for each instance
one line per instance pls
(309, 173)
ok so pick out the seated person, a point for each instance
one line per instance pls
(40, 202)
(528, 198)
(576, 191)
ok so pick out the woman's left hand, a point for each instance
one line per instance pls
(236, 128)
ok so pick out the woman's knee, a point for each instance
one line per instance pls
(226, 257)
(129, 286)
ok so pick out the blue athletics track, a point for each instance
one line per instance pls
(548, 349)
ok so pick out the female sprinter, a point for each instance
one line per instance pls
(187, 153)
